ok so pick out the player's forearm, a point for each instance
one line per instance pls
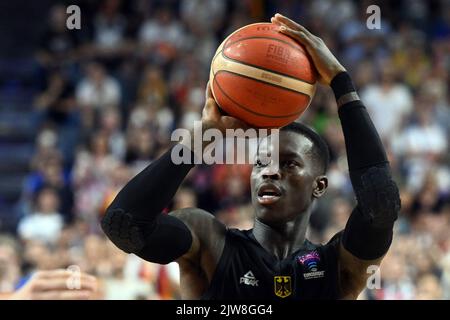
(368, 233)
(362, 142)
(150, 191)
(135, 215)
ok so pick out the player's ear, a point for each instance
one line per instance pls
(320, 186)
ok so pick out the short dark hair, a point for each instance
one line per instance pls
(320, 147)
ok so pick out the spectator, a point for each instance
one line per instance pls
(388, 97)
(161, 36)
(422, 144)
(153, 89)
(91, 176)
(110, 29)
(110, 125)
(97, 90)
(45, 223)
(428, 288)
(59, 45)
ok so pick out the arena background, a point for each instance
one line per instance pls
(82, 111)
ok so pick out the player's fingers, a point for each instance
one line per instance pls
(211, 110)
(296, 35)
(260, 134)
(291, 24)
(233, 123)
(288, 22)
(62, 295)
(275, 21)
(321, 79)
(208, 109)
(208, 92)
(282, 20)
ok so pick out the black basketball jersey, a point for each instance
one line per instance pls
(247, 271)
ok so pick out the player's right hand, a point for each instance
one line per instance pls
(213, 118)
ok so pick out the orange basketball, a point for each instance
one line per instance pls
(262, 77)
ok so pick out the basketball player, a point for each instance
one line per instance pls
(273, 260)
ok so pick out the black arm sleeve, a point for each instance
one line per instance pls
(368, 233)
(134, 222)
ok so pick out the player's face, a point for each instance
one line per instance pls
(284, 190)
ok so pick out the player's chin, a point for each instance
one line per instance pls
(269, 211)
(271, 218)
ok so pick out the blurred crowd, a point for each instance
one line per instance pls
(112, 93)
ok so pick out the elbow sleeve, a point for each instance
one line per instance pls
(368, 233)
(163, 240)
(377, 195)
(122, 230)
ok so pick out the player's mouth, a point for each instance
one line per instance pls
(269, 193)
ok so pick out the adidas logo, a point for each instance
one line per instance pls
(249, 279)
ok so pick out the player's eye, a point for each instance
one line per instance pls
(290, 164)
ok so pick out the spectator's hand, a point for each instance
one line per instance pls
(325, 62)
(57, 285)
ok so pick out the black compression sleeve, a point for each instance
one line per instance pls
(134, 221)
(368, 233)
(364, 146)
(149, 192)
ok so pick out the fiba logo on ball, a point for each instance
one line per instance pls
(278, 54)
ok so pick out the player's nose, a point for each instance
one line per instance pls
(271, 171)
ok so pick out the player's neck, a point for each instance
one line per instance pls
(281, 241)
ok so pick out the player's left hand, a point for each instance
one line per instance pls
(325, 62)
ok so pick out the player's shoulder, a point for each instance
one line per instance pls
(242, 235)
(335, 240)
